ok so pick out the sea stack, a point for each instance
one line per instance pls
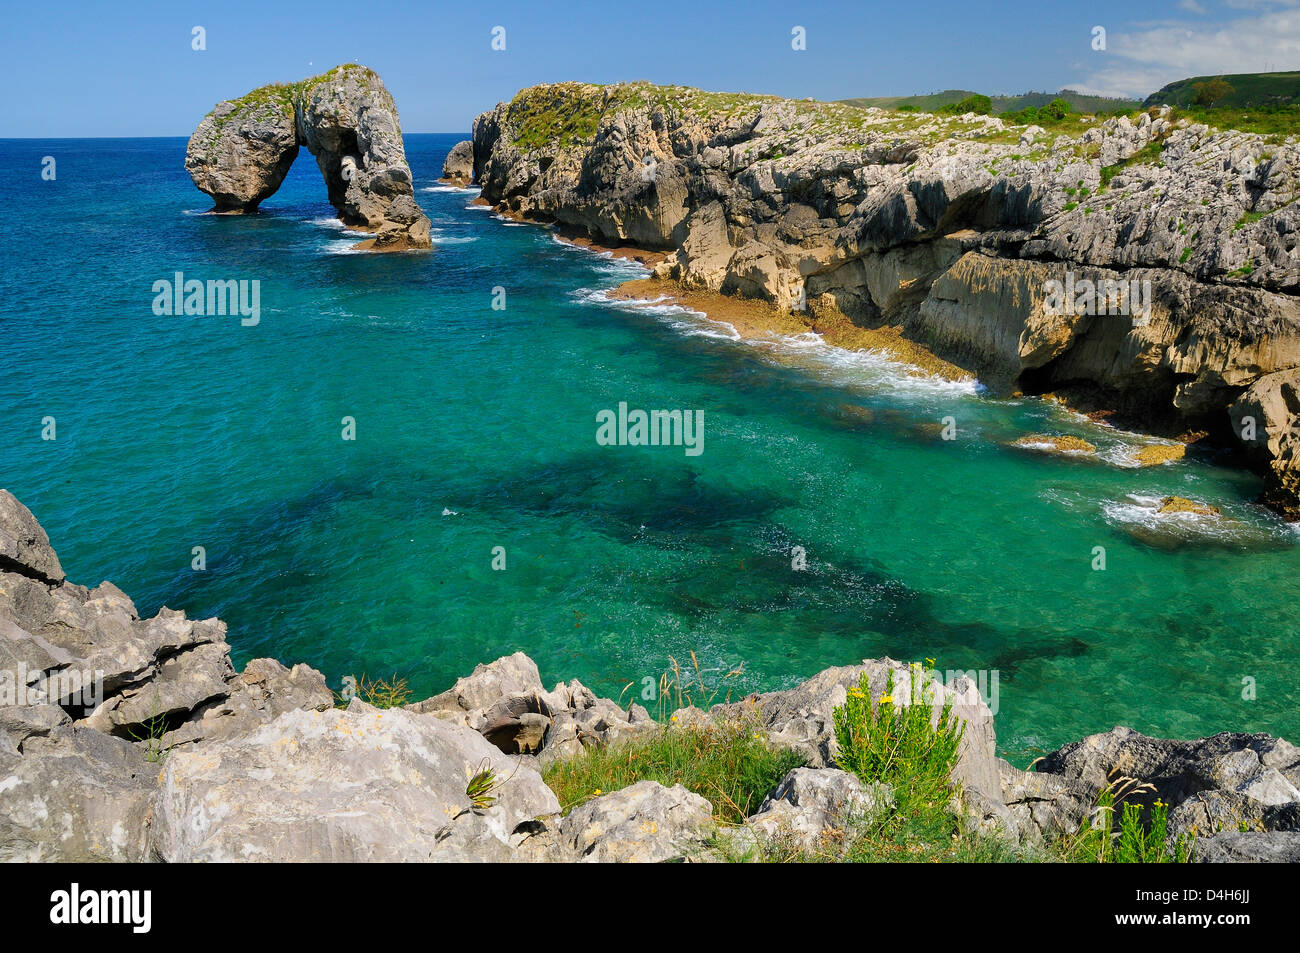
(241, 151)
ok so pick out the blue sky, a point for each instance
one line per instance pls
(128, 69)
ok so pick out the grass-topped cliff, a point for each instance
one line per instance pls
(284, 99)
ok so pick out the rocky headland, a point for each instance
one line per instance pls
(242, 150)
(948, 232)
(176, 756)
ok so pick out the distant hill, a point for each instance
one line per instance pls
(1249, 91)
(928, 103)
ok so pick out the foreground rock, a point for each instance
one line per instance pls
(645, 822)
(346, 786)
(242, 150)
(1176, 266)
(809, 804)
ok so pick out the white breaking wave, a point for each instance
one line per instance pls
(444, 187)
(840, 367)
(343, 246)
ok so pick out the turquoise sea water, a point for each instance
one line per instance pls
(476, 429)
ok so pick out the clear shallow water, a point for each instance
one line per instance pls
(476, 429)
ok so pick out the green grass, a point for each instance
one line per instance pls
(728, 762)
(284, 99)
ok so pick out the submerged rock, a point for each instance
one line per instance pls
(1154, 454)
(1045, 443)
(242, 150)
(1179, 504)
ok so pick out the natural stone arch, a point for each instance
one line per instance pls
(242, 150)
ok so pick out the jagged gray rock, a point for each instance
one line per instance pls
(810, 802)
(1212, 785)
(505, 702)
(1045, 807)
(24, 547)
(1237, 847)
(73, 794)
(642, 823)
(242, 150)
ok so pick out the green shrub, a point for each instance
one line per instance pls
(897, 742)
(1131, 841)
(1056, 110)
(978, 103)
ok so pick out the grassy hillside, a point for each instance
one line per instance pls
(1249, 91)
(929, 103)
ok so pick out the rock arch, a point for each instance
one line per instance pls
(242, 150)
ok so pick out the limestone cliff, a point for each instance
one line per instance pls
(241, 151)
(953, 229)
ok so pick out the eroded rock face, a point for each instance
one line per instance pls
(1214, 786)
(241, 151)
(506, 703)
(949, 228)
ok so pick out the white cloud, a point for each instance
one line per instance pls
(1139, 62)
(1192, 6)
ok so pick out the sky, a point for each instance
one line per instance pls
(90, 68)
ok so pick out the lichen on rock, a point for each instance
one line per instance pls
(242, 150)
